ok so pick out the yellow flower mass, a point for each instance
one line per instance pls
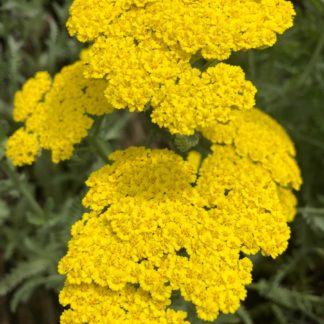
(140, 58)
(216, 28)
(55, 114)
(198, 99)
(246, 131)
(22, 147)
(144, 49)
(159, 224)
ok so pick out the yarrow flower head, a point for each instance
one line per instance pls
(214, 27)
(198, 99)
(246, 132)
(159, 224)
(145, 50)
(55, 114)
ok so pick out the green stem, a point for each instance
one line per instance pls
(294, 85)
(272, 298)
(99, 149)
(312, 62)
(312, 210)
(24, 190)
(251, 62)
(97, 126)
(95, 141)
(150, 138)
(307, 139)
(209, 64)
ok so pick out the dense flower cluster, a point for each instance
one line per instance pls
(198, 99)
(158, 224)
(145, 50)
(216, 28)
(130, 306)
(246, 131)
(55, 114)
(141, 58)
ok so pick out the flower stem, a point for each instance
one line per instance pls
(99, 148)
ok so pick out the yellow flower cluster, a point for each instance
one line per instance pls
(246, 198)
(257, 136)
(55, 114)
(140, 58)
(137, 74)
(246, 131)
(22, 147)
(145, 50)
(158, 224)
(92, 303)
(216, 28)
(199, 99)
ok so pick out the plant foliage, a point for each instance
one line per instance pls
(39, 204)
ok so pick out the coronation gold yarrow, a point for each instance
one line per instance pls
(145, 50)
(141, 57)
(55, 114)
(158, 224)
(246, 131)
(216, 28)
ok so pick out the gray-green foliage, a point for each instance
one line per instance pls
(33, 242)
(39, 204)
(33, 239)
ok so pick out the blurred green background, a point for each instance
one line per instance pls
(38, 204)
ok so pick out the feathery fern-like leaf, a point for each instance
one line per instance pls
(22, 271)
